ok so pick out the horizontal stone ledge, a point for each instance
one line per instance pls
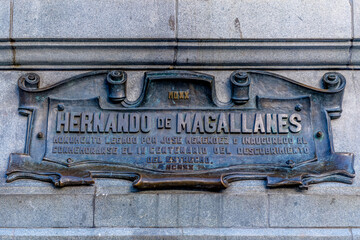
(264, 67)
(92, 53)
(121, 187)
(259, 53)
(355, 52)
(177, 233)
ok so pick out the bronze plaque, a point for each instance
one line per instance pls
(178, 133)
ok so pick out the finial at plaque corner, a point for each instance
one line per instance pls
(332, 80)
(31, 80)
(116, 81)
(240, 83)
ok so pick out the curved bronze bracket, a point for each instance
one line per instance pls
(178, 75)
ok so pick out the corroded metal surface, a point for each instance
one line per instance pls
(178, 133)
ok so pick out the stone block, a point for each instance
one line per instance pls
(134, 210)
(246, 19)
(9, 96)
(356, 20)
(30, 187)
(198, 210)
(299, 210)
(94, 19)
(244, 211)
(356, 233)
(4, 19)
(355, 51)
(179, 210)
(43, 210)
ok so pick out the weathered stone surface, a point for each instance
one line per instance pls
(5, 49)
(265, 19)
(9, 90)
(199, 210)
(93, 19)
(4, 19)
(356, 233)
(24, 188)
(175, 233)
(298, 210)
(39, 210)
(132, 210)
(13, 127)
(268, 234)
(356, 20)
(356, 24)
(180, 210)
(355, 51)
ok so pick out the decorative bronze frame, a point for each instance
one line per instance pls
(109, 91)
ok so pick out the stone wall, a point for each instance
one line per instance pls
(301, 40)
